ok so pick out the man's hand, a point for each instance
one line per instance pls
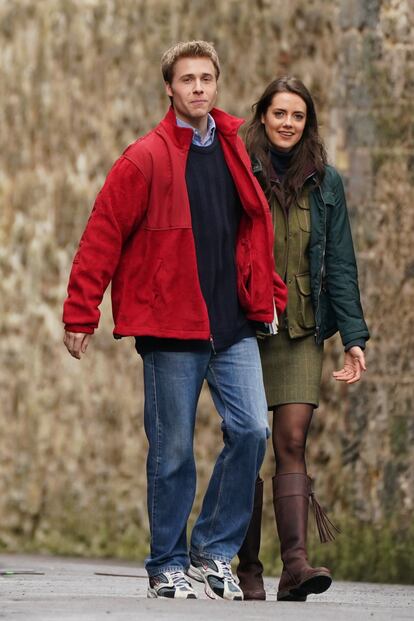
(354, 364)
(76, 343)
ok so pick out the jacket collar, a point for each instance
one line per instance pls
(225, 123)
(257, 168)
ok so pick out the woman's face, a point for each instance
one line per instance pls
(285, 120)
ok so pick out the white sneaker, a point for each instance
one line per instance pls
(172, 584)
(217, 576)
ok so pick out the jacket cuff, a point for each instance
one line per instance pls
(356, 343)
(70, 327)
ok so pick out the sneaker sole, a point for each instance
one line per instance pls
(152, 594)
(198, 575)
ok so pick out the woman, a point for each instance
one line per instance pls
(314, 255)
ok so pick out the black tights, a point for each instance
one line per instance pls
(290, 429)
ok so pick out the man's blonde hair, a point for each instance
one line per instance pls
(187, 49)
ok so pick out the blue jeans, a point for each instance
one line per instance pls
(173, 382)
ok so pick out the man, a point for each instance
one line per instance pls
(184, 233)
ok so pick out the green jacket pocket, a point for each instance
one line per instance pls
(306, 316)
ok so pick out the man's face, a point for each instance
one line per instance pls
(193, 89)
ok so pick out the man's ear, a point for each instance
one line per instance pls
(168, 89)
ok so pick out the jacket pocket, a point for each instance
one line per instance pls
(306, 316)
(304, 215)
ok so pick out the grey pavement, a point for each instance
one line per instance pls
(69, 589)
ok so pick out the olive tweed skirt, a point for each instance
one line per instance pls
(292, 369)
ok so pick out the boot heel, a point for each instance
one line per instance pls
(294, 595)
(316, 584)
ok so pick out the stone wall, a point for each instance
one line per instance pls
(79, 81)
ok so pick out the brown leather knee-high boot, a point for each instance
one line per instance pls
(291, 494)
(250, 569)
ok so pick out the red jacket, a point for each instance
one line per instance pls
(139, 236)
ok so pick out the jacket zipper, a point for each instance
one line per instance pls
(318, 328)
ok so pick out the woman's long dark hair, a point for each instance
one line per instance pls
(308, 153)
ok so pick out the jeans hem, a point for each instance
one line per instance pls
(212, 556)
(160, 570)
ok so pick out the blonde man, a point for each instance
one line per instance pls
(182, 230)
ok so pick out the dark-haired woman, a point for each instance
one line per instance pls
(315, 257)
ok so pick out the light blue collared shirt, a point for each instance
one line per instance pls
(197, 139)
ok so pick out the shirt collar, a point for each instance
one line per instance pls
(197, 139)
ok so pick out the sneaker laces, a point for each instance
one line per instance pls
(178, 579)
(226, 569)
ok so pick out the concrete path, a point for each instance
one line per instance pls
(72, 590)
